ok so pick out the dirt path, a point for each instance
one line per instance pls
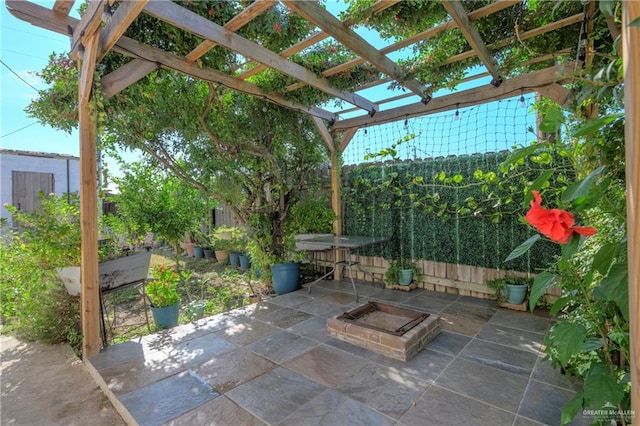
(47, 385)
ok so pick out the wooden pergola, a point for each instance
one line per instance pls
(95, 39)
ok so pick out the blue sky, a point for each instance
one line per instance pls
(26, 49)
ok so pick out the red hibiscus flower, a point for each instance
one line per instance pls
(555, 224)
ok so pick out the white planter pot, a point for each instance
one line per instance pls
(111, 273)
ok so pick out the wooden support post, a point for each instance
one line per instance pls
(90, 290)
(631, 59)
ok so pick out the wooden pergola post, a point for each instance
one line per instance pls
(631, 44)
(90, 286)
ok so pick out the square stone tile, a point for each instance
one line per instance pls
(337, 285)
(283, 346)
(231, 369)
(544, 403)
(394, 297)
(386, 389)
(448, 343)
(350, 348)
(275, 395)
(439, 295)
(464, 318)
(487, 384)
(256, 311)
(544, 372)
(438, 406)
(326, 365)
(427, 365)
(167, 399)
(427, 303)
(498, 356)
(331, 408)
(317, 307)
(221, 411)
(339, 298)
(196, 351)
(477, 301)
(248, 332)
(292, 299)
(285, 317)
(523, 421)
(365, 290)
(521, 320)
(314, 328)
(519, 339)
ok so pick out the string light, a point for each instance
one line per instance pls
(522, 101)
(81, 51)
(457, 116)
(406, 124)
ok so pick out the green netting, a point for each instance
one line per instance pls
(375, 193)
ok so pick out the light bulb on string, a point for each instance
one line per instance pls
(457, 116)
(406, 124)
(522, 100)
(107, 13)
(81, 51)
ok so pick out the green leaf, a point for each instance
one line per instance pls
(569, 249)
(582, 187)
(607, 6)
(566, 338)
(522, 248)
(540, 285)
(552, 120)
(614, 287)
(592, 344)
(525, 152)
(595, 125)
(635, 23)
(560, 304)
(539, 182)
(601, 387)
(572, 408)
(602, 260)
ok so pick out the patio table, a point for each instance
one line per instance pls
(345, 244)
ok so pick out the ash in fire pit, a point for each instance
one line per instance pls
(386, 329)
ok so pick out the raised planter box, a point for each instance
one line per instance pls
(112, 273)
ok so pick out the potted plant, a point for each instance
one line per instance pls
(163, 296)
(402, 272)
(196, 306)
(221, 240)
(511, 290)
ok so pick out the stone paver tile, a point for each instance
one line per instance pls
(543, 403)
(498, 356)
(219, 412)
(394, 297)
(256, 310)
(339, 298)
(167, 399)
(448, 343)
(427, 303)
(426, 365)
(292, 299)
(314, 328)
(352, 349)
(233, 368)
(317, 307)
(521, 320)
(196, 351)
(285, 317)
(283, 346)
(386, 389)
(476, 301)
(326, 365)
(331, 408)
(523, 421)
(275, 395)
(488, 384)
(248, 332)
(520, 339)
(544, 372)
(464, 318)
(438, 406)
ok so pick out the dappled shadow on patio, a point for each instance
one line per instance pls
(273, 363)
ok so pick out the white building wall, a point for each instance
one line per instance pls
(65, 168)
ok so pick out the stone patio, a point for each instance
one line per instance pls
(273, 363)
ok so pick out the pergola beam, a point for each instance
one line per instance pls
(526, 83)
(89, 24)
(127, 11)
(202, 27)
(314, 13)
(63, 7)
(473, 37)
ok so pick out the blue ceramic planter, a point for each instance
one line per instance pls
(198, 252)
(244, 262)
(405, 276)
(285, 277)
(516, 293)
(234, 259)
(167, 316)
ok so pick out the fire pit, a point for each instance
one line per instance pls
(389, 330)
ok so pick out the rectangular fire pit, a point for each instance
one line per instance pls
(389, 330)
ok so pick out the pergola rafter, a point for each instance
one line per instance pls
(99, 41)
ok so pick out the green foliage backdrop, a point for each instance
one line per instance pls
(430, 221)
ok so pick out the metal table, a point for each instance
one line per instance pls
(344, 244)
